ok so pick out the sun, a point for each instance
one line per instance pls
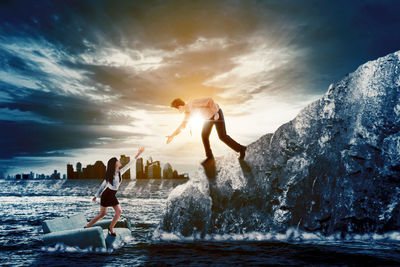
(196, 121)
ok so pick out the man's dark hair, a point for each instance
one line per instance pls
(177, 102)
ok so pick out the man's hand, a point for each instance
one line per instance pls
(94, 199)
(169, 138)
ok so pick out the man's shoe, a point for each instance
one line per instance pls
(243, 153)
(207, 160)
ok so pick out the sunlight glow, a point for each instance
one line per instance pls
(124, 128)
(196, 121)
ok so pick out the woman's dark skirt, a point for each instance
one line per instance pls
(108, 198)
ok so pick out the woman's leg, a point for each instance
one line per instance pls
(102, 213)
(118, 212)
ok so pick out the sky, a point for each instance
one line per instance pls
(89, 80)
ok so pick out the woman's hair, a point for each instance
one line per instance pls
(111, 170)
(177, 102)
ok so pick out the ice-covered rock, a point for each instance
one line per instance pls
(334, 167)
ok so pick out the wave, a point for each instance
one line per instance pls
(291, 235)
(73, 249)
(59, 247)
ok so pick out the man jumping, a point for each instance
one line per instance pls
(212, 113)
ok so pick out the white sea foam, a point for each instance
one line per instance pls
(73, 249)
(59, 247)
(291, 235)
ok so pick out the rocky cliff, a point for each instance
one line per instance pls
(334, 168)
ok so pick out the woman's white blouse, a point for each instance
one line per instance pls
(116, 181)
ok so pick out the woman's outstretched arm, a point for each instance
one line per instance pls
(126, 167)
(101, 189)
(129, 164)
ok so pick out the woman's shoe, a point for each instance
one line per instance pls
(111, 233)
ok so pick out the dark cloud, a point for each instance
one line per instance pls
(338, 36)
(58, 105)
(61, 108)
(24, 138)
(74, 122)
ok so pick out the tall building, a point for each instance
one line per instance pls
(149, 162)
(167, 171)
(125, 160)
(88, 172)
(78, 167)
(139, 169)
(70, 171)
(99, 170)
(154, 170)
(55, 175)
(146, 169)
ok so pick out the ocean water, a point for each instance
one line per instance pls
(25, 203)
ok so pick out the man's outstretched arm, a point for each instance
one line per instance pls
(180, 128)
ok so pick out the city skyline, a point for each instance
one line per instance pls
(36, 176)
(150, 170)
(167, 172)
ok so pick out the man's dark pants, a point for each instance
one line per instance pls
(221, 130)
